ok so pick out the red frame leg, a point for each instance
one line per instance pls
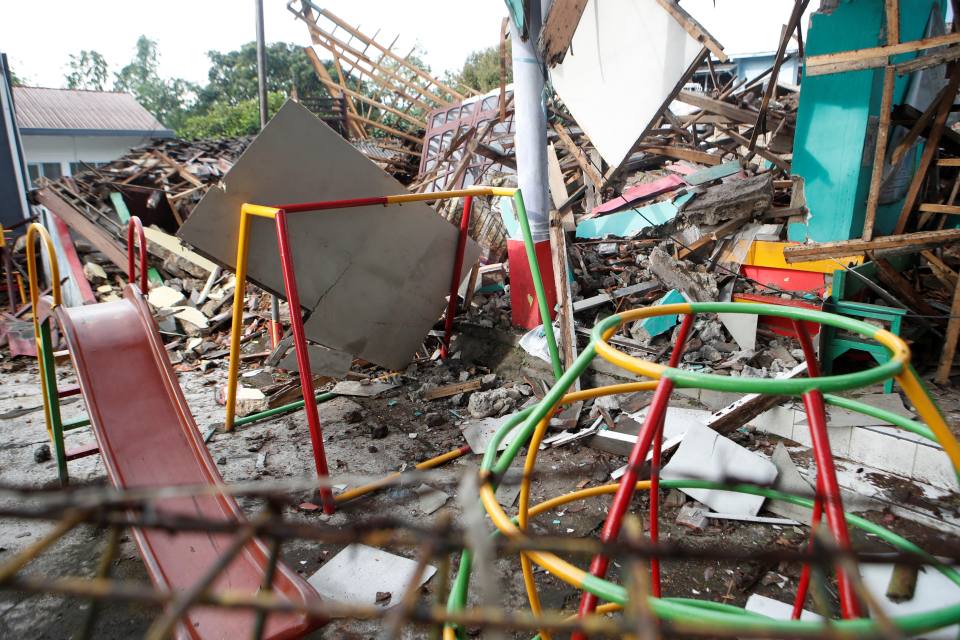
(455, 277)
(303, 359)
(652, 428)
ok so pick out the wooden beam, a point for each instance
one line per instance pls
(558, 188)
(102, 240)
(949, 162)
(872, 57)
(558, 29)
(880, 152)
(761, 151)
(908, 241)
(799, 6)
(379, 105)
(919, 126)
(930, 149)
(589, 171)
(940, 269)
(722, 231)
(892, 14)
(680, 153)
(719, 107)
(930, 60)
(950, 346)
(558, 253)
(948, 209)
(902, 287)
(693, 28)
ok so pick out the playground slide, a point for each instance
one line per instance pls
(148, 438)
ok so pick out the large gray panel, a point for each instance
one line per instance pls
(375, 277)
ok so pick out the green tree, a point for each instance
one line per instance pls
(167, 99)
(16, 80)
(233, 75)
(224, 120)
(481, 71)
(88, 70)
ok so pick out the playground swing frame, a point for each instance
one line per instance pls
(279, 215)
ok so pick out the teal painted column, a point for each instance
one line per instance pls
(835, 135)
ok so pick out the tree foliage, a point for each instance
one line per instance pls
(481, 71)
(222, 119)
(166, 98)
(88, 70)
(233, 75)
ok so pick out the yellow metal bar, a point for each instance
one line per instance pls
(32, 231)
(444, 195)
(931, 416)
(259, 210)
(236, 326)
(636, 365)
(899, 350)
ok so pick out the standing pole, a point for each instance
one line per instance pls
(264, 116)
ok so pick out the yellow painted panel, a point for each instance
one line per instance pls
(763, 253)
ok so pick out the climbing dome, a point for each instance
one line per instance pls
(643, 598)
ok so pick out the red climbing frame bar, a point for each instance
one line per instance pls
(828, 489)
(621, 500)
(303, 358)
(455, 277)
(134, 226)
(655, 463)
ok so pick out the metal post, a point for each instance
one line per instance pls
(264, 116)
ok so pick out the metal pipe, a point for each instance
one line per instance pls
(303, 357)
(285, 408)
(455, 277)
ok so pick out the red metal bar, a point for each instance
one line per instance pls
(303, 358)
(804, 585)
(135, 225)
(655, 463)
(300, 207)
(828, 487)
(455, 278)
(621, 500)
(82, 451)
(69, 390)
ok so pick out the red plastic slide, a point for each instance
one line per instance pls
(148, 438)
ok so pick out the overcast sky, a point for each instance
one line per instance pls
(39, 36)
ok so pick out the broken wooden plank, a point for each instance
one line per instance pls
(589, 171)
(872, 57)
(950, 345)
(681, 153)
(940, 269)
(740, 412)
(908, 242)
(949, 209)
(892, 278)
(602, 298)
(451, 390)
(710, 237)
(558, 188)
(930, 149)
(693, 27)
(880, 152)
(719, 107)
(558, 253)
(104, 242)
(558, 29)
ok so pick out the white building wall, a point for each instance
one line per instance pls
(67, 149)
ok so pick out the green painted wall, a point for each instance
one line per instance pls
(833, 118)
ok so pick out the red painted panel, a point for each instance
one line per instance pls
(787, 279)
(523, 297)
(781, 326)
(645, 190)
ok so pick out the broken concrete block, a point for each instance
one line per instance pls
(249, 401)
(731, 200)
(693, 517)
(695, 283)
(191, 320)
(165, 297)
(356, 576)
(704, 454)
(94, 272)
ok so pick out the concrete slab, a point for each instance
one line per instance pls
(358, 573)
(375, 278)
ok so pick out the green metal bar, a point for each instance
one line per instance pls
(286, 408)
(875, 412)
(49, 376)
(76, 423)
(538, 285)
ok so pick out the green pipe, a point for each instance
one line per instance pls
(76, 423)
(711, 614)
(887, 416)
(285, 408)
(53, 397)
(538, 285)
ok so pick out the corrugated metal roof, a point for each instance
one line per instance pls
(39, 109)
